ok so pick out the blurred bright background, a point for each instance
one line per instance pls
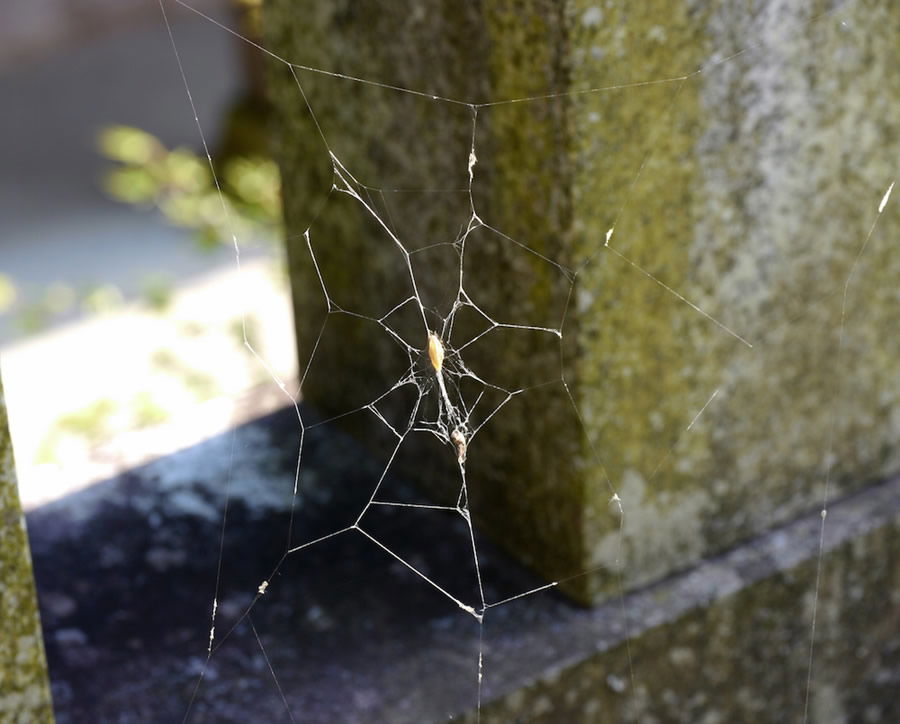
(124, 314)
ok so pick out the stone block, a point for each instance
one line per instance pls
(729, 640)
(24, 686)
(697, 231)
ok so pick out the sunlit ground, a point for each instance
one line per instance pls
(120, 338)
(115, 389)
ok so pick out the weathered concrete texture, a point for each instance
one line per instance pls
(747, 187)
(24, 686)
(729, 640)
(127, 571)
(765, 176)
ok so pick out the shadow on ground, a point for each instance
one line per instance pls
(127, 570)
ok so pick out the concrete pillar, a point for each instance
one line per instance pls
(728, 349)
(24, 686)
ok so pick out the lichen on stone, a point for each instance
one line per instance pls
(23, 665)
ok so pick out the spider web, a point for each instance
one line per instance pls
(437, 387)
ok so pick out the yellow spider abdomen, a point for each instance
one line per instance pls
(435, 351)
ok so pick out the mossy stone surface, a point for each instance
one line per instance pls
(24, 685)
(742, 655)
(740, 183)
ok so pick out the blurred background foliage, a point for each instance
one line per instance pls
(233, 197)
(180, 184)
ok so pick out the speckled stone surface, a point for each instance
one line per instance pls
(728, 641)
(24, 686)
(127, 571)
(741, 183)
